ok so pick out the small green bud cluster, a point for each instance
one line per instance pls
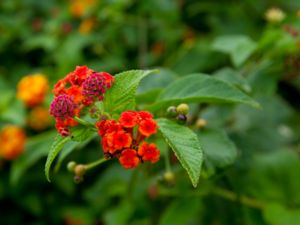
(179, 112)
(78, 169)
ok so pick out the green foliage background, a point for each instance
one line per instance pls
(250, 173)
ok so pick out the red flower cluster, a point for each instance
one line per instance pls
(125, 138)
(80, 88)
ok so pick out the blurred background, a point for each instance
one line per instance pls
(251, 170)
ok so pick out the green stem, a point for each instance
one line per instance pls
(167, 161)
(83, 122)
(229, 195)
(94, 164)
(223, 193)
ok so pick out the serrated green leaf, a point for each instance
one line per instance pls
(217, 147)
(56, 147)
(70, 147)
(81, 133)
(186, 146)
(121, 96)
(201, 88)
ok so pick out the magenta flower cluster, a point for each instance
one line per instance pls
(63, 106)
(94, 86)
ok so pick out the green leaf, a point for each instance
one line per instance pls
(200, 88)
(185, 144)
(36, 148)
(119, 215)
(121, 96)
(276, 214)
(70, 147)
(178, 213)
(233, 77)
(239, 47)
(81, 133)
(217, 147)
(56, 147)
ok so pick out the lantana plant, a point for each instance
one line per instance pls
(89, 103)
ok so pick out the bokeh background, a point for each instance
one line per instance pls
(251, 170)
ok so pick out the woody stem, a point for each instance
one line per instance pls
(94, 164)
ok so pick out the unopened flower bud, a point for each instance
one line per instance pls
(80, 170)
(169, 177)
(71, 166)
(104, 116)
(201, 123)
(171, 111)
(181, 118)
(78, 179)
(182, 109)
(274, 15)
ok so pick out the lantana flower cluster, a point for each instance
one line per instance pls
(125, 138)
(32, 89)
(80, 88)
(12, 142)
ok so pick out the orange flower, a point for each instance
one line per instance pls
(39, 118)
(128, 119)
(129, 159)
(12, 142)
(78, 75)
(75, 92)
(121, 140)
(144, 115)
(86, 26)
(80, 7)
(122, 137)
(32, 89)
(147, 127)
(59, 87)
(149, 152)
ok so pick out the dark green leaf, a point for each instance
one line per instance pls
(237, 46)
(217, 147)
(56, 147)
(201, 88)
(185, 144)
(121, 96)
(36, 148)
(276, 214)
(178, 213)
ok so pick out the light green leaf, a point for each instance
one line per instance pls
(217, 147)
(185, 144)
(239, 47)
(200, 88)
(276, 214)
(56, 147)
(121, 96)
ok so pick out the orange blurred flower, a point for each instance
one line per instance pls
(39, 118)
(12, 142)
(79, 8)
(32, 89)
(86, 26)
